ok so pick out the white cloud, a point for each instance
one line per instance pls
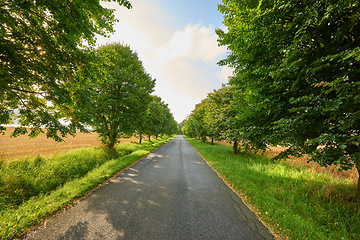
(146, 16)
(194, 42)
(184, 61)
(225, 74)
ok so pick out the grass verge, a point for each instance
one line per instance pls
(80, 170)
(295, 202)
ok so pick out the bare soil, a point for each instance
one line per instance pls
(21, 146)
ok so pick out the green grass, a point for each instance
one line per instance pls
(295, 202)
(33, 189)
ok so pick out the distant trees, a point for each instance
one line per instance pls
(215, 117)
(42, 48)
(122, 93)
(158, 120)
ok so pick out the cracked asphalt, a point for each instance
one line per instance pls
(170, 194)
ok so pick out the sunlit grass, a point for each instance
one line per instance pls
(32, 189)
(295, 202)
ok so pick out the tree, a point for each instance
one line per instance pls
(299, 63)
(122, 93)
(159, 119)
(42, 50)
(222, 114)
(196, 125)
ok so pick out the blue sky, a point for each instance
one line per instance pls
(176, 41)
(193, 11)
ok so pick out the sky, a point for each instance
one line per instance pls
(177, 44)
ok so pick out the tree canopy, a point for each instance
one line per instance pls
(42, 48)
(215, 117)
(298, 64)
(159, 120)
(122, 93)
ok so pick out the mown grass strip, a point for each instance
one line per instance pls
(16, 220)
(295, 202)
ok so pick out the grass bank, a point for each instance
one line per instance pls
(33, 189)
(295, 202)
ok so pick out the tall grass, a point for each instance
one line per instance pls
(22, 179)
(32, 189)
(295, 202)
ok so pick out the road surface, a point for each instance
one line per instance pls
(170, 194)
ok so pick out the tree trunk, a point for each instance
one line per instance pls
(235, 147)
(140, 138)
(149, 138)
(112, 140)
(212, 141)
(204, 139)
(357, 196)
(111, 145)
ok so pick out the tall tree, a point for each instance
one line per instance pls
(196, 125)
(42, 47)
(122, 93)
(221, 116)
(299, 62)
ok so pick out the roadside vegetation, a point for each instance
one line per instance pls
(296, 203)
(33, 189)
(295, 81)
(56, 81)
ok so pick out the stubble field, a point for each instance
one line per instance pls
(11, 148)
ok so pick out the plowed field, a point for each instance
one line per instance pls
(24, 146)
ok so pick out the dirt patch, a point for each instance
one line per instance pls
(11, 148)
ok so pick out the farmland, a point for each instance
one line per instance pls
(11, 148)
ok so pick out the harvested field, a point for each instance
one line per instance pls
(11, 148)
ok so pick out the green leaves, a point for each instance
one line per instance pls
(300, 61)
(121, 95)
(158, 120)
(42, 53)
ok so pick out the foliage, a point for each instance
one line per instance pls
(298, 63)
(216, 117)
(295, 202)
(159, 120)
(195, 125)
(122, 93)
(42, 52)
(222, 115)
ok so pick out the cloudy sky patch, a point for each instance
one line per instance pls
(177, 44)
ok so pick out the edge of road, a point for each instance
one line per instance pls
(244, 198)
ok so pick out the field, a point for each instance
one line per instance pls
(23, 146)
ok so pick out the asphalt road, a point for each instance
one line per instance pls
(170, 194)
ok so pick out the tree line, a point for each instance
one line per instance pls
(296, 80)
(52, 73)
